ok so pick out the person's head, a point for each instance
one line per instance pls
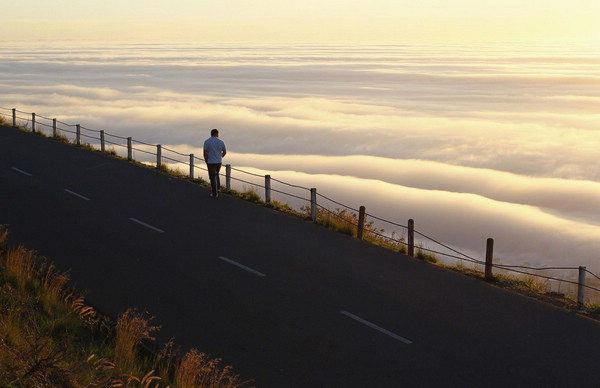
(214, 133)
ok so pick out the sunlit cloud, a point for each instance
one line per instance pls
(493, 142)
(523, 233)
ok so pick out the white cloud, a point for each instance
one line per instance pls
(471, 144)
(523, 234)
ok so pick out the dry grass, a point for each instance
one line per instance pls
(36, 327)
(196, 369)
(346, 222)
(132, 328)
(49, 337)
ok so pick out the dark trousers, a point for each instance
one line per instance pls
(215, 179)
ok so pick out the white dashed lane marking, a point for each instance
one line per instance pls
(147, 225)
(242, 266)
(21, 171)
(77, 195)
(375, 327)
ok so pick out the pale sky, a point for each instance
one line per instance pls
(308, 20)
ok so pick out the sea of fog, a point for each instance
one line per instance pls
(471, 142)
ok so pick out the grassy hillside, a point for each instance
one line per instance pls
(50, 337)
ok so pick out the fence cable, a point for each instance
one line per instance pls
(513, 268)
(246, 172)
(118, 137)
(593, 274)
(91, 130)
(288, 194)
(140, 150)
(290, 185)
(43, 117)
(337, 203)
(68, 125)
(141, 142)
(173, 151)
(383, 220)
(445, 246)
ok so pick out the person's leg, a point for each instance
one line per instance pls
(218, 177)
(213, 175)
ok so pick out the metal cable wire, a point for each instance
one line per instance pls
(389, 222)
(65, 130)
(44, 124)
(288, 194)
(467, 258)
(593, 274)
(89, 136)
(514, 268)
(144, 151)
(537, 268)
(337, 203)
(173, 151)
(141, 142)
(443, 245)
(44, 117)
(117, 144)
(68, 125)
(171, 159)
(118, 137)
(552, 278)
(91, 130)
(246, 172)
(243, 181)
(375, 233)
(289, 184)
(338, 215)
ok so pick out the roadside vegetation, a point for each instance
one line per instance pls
(49, 337)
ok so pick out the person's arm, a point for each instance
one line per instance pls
(206, 156)
(223, 152)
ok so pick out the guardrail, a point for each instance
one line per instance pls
(31, 121)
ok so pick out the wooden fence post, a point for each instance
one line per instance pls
(54, 128)
(361, 223)
(129, 149)
(489, 257)
(78, 134)
(14, 117)
(267, 188)
(228, 176)
(313, 204)
(102, 141)
(158, 155)
(191, 166)
(581, 288)
(411, 237)
(33, 122)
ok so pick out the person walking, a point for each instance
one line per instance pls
(214, 151)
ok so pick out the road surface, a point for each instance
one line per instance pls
(285, 302)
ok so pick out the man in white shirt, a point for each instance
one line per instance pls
(214, 151)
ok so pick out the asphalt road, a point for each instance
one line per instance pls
(285, 302)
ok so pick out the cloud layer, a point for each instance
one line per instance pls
(471, 142)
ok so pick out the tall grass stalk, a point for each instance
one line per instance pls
(196, 369)
(49, 337)
(346, 222)
(132, 328)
